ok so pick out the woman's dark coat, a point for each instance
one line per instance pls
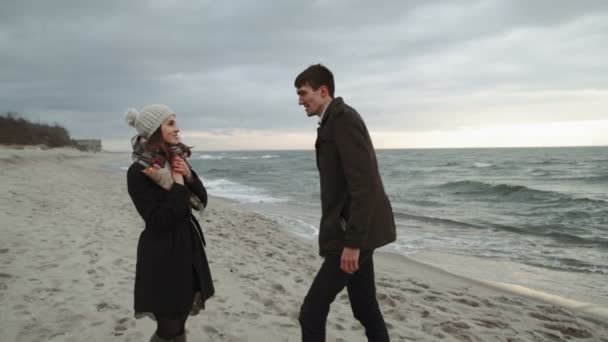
(171, 261)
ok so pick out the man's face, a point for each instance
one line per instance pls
(312, 100)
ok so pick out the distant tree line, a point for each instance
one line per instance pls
(15, 130)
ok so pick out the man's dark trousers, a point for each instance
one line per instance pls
(361, 291)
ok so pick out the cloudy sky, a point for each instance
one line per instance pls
(421, 73)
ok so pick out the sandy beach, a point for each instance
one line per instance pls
(68, 243)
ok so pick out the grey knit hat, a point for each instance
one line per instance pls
(149, 119)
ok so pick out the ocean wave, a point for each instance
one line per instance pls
(541, 172)
(214, 157)
(217, 170)
(241, 193)
(577, 240)
(296, 225)
(587, 179)
(267, 156)
(513, 192)
(435, 220)
(418, 201)
(482, 165)
(551, 233)
(567, 265)
(210, 157)
(576, 215)
(552, 161)
(580, 200)
(595, 179)
(475, 187)
(538, 231)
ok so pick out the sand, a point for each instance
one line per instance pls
(67, 250)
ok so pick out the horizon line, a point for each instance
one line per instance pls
(398, 148)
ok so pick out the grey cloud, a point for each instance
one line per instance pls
(222, 65)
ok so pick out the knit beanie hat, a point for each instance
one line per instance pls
(149, 119)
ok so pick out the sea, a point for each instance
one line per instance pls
(534, 217)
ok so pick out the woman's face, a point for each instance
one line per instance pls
(169, 131)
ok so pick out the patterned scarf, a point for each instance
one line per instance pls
(157, 168)
(144, 157)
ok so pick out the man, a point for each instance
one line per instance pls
(356, 214)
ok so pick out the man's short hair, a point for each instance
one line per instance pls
(315, 76)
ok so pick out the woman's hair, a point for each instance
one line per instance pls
(156, 144)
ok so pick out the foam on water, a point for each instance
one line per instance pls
(209, 157)
(239, 192)
(235, 157)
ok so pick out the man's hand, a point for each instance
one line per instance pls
(350, 260)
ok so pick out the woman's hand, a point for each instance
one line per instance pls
(179, 165)
(177, 177)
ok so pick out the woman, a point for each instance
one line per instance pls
(172, 276)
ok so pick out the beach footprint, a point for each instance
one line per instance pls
(489, 323)
(211, 331)
(121, 326)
